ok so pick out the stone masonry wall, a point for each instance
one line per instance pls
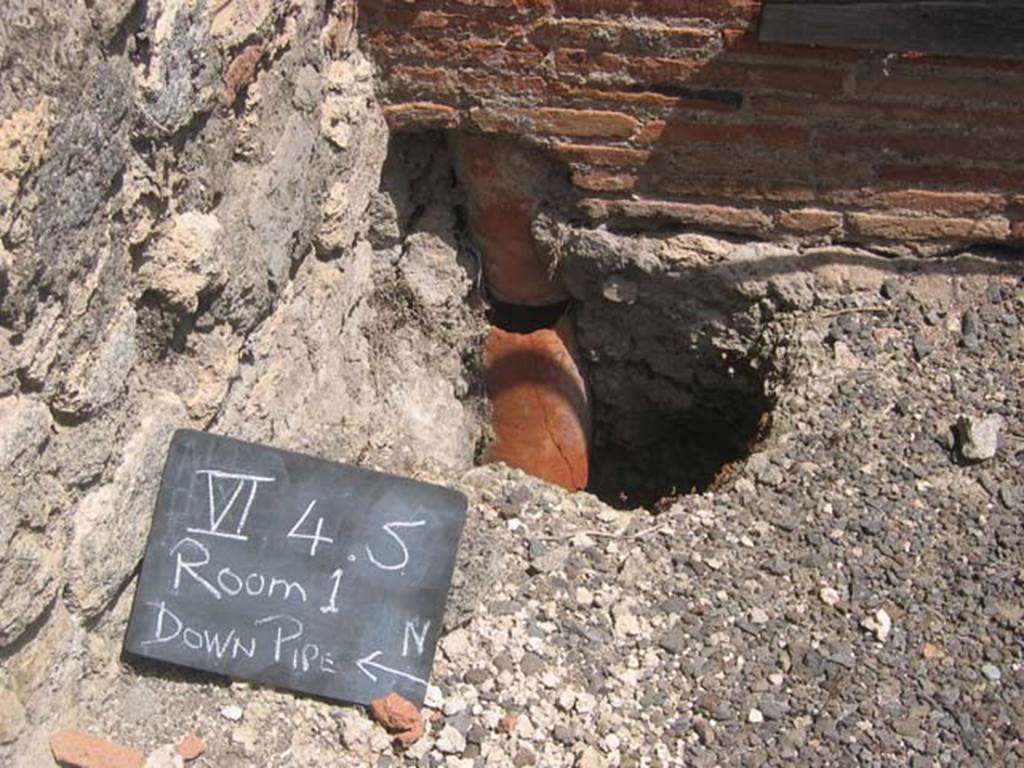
(672, 111)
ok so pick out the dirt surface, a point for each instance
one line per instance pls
(273, 266)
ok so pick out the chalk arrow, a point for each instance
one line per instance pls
(368, 661)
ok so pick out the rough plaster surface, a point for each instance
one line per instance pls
(170, 262)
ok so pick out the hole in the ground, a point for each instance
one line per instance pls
(669, 452)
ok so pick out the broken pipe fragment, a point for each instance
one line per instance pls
(540, 408)
(504, 184)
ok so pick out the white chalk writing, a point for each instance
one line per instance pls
(218, 518)
(387, 528)
(315, 538)
(419, 638)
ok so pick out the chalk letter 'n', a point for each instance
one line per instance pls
(418, 638)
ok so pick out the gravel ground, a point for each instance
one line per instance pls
(853, 593)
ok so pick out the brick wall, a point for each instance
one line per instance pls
(671, 110)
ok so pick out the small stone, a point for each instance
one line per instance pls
(456, 645)
(191, 747)
(673, 641)
(776, 678)
(232, 712)
(992, 672)
(434, 698)
(1009, 496)
(245, 736)
(619, 290)
(450, 741)
(880, 624)
(759, 616)
(931, 651)
(922, 347)
(524, 757)
(79, 749)
(755, 716)
(507, 724)
(164, 757)
(585, 703)
(611, 742)
(590, 758)
(626, 623)
(829, 596)
(532, 664)
(566, 699)
(979, 437)
(970, 324)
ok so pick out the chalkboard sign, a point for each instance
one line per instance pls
(294, 571)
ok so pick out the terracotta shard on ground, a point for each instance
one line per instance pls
(191, 747)
(78, 749)
(399, 716)
(540, 408)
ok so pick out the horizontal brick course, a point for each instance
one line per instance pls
(678, 103)
(586, 123)
(421, 115)
(894, 227)
(809, 221)
(716, 217)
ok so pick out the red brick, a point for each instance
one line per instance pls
(587, 63)
(713, 133)
(540, 411)
(588, 123)
(809, 221)
(714, 10)
(917, 228)
(455, 53)
(928, 201)
(421, 81)
(745, 41)
(932, 60)
(947, 175)
(717, 217)
(872, 114)
(917, 145)
(819, 81)
(421, 116)
(748, 162)
(649, 70)
(628, 37)
(940, 85)
(634, 99)
(79, 749)
(753, 188)
(488, 86)
(598, 155)
(602, 181)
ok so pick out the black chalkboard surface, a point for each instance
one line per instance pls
(294, 571)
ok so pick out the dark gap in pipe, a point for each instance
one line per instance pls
(520, 318)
